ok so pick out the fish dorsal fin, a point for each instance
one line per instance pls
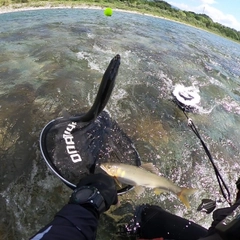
(150, 167)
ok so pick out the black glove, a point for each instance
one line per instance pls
(104, 188)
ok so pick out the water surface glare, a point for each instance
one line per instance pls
(53, 60)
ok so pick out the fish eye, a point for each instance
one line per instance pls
(108, 167)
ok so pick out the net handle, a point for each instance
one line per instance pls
(104, 92)
(103, 95)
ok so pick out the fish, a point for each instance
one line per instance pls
(146, 176)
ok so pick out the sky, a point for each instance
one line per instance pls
(226, 12)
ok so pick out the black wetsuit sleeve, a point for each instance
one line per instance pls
(156, 222)
(71, 222)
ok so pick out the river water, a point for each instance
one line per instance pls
(53, 60)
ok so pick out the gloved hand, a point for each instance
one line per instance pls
(104, 184)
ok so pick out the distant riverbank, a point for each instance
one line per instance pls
(48, 5)
(10, 6)
(55, 5)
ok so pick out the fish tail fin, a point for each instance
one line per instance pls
(184, 194)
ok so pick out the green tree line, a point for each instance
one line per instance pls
(199, 20)
(155, 7)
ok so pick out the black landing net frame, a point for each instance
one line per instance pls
(77, 129)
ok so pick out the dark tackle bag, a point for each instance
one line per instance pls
(75, 146)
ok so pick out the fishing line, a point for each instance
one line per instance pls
(220, 180)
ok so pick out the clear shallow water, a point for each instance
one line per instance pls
(52, 60)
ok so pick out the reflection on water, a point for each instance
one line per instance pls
(52, 60)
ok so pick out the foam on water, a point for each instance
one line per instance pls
(92, 63)
(230, 105)
(187, 95)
